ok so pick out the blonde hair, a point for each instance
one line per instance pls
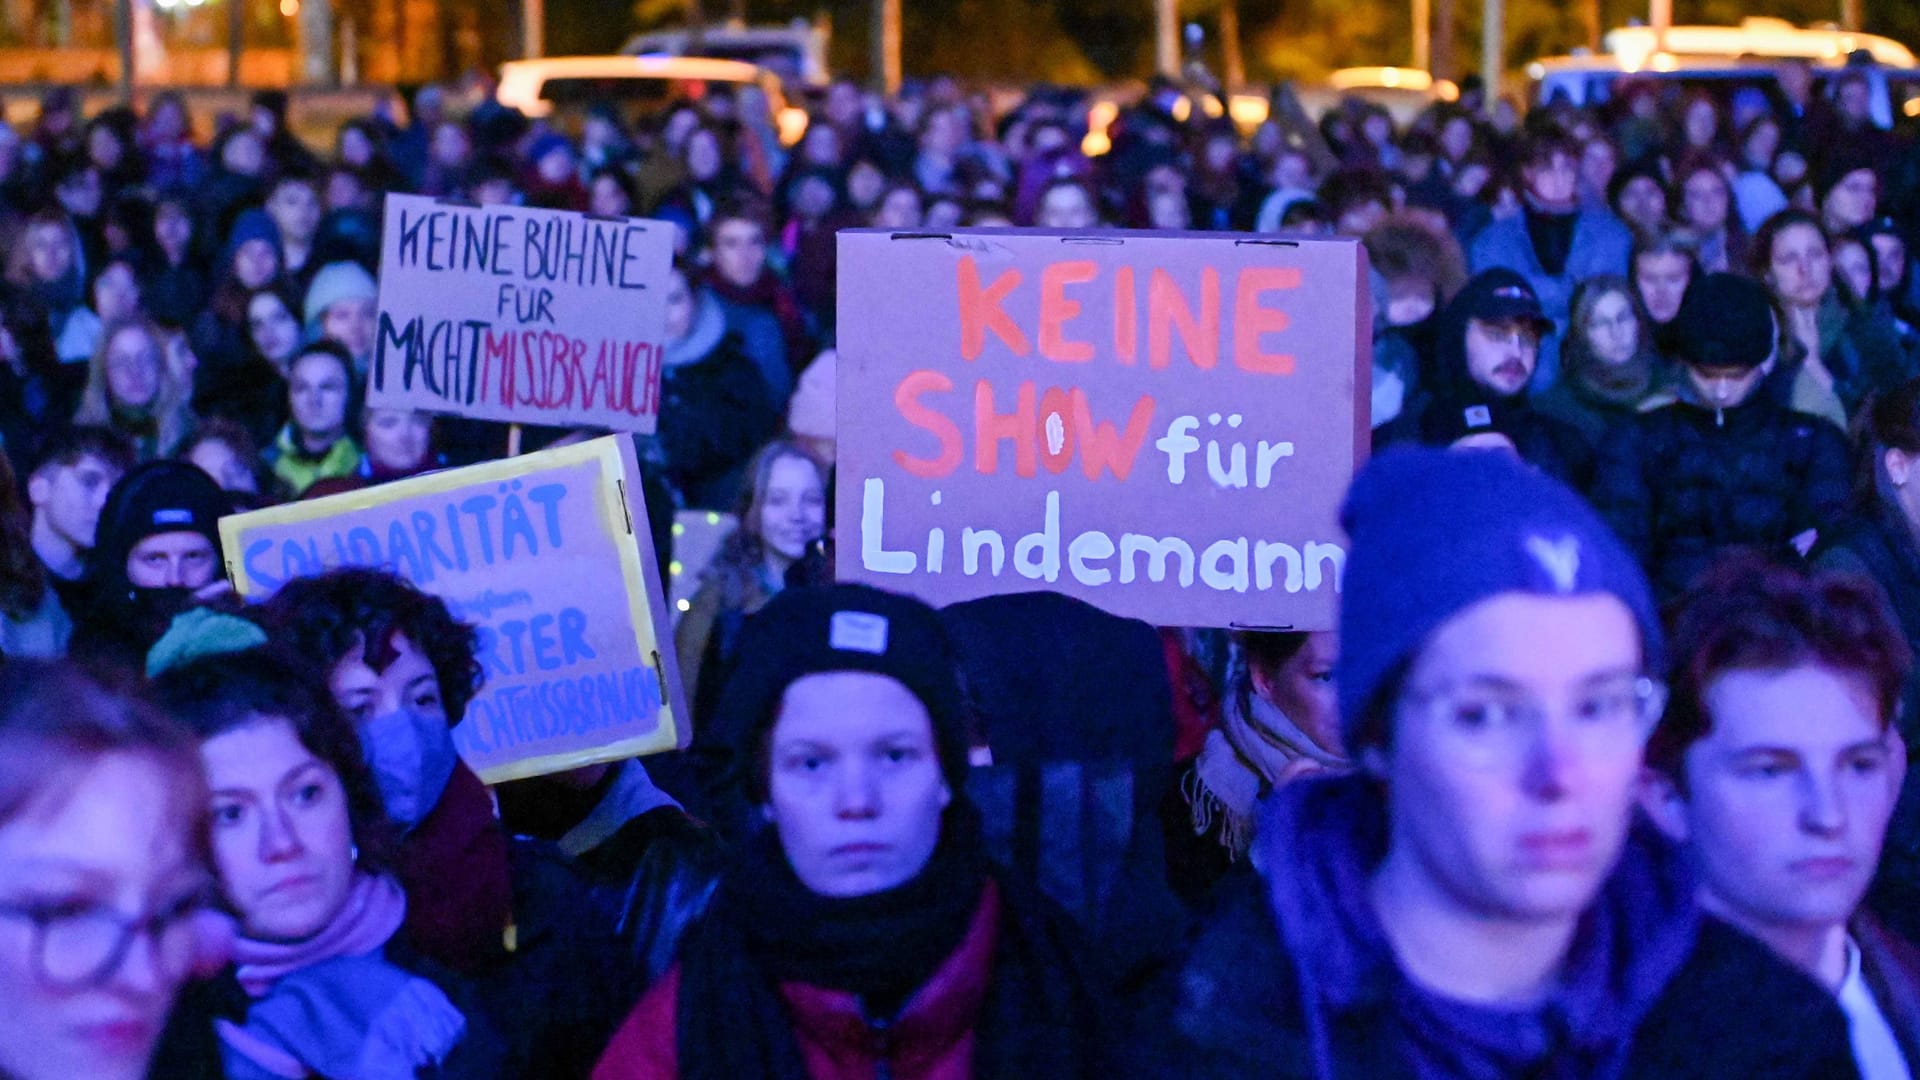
(172, 406)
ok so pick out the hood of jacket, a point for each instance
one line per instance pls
(1316, 846)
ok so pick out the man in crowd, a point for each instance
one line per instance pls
(1724, 463)
(1487, 348)
(1777, 768)
(76, 469)
(1553, 243)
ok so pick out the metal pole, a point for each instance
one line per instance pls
(1660, 17)
(533, 28)
(123, 34)
(1423, 34)
(1852, 14)
(1493, 41)
(1166, 37)
(1443, 39)
(236, 45)
(1233, 63)
(886, 45)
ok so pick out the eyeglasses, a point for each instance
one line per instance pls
(1491, 727)
(77, 947)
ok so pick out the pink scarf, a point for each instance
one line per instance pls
(374, 910)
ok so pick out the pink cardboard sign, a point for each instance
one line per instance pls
(548, 555)
(1161, 424)
(522, 315)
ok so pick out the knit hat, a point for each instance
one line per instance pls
(159, 497)
(1725, 321)
(336, 282)
(252, 224)
(1434, 532)
(808, 631)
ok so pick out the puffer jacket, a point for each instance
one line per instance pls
(1685, 481)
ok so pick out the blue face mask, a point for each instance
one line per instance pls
(412, 757)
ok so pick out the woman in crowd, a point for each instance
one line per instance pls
(251, 261)
(133, 390)
(314, 444)
(716, 409)
(1608, 366)
(342, 305)
(1279, 722)
(322, 983)
(863, 930)
(47, 261)
(223, 450)
(32, 622)
(103, 880)
(782, 512)
(1706, 211)
(1756, 194)
(510, 915)
(253, 393)
(174, 283)
(1832, 357)
(113, 296)
(1661, 266)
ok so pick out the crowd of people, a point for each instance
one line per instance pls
(1600, 774)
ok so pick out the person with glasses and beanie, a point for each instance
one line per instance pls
(103, 878)
(1777, 768)
(862, 931)
(1477, 899)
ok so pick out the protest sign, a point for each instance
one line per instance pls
(523, 315)
(549, 556)
(1161, 424)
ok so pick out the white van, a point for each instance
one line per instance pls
(555, 87)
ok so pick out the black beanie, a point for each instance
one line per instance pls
(159, 497)
(1725, 321)
(807, 631)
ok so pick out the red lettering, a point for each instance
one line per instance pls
(1250, 320)
(990, 427)
(1057, 309)
(1126, 326)
(980, 311)
(1168, 310)
(906, 398)
(1103, 448)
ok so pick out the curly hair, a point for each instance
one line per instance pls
(1753, 613)
(222, 692)
(324, 616)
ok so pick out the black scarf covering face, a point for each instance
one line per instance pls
(765, 928)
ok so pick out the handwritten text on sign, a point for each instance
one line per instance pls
(1161, 424)
(545, 555)
(510, 313)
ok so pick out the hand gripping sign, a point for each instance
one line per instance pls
(1161, 424)
(521, 315)
(549, 556)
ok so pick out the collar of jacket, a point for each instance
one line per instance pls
(939, 1019)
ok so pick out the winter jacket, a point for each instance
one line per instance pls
(1601, 245)
(1292, 977)
(1891, 966)
(932, 1039)
(300, 470)
(715, 412)
(1880, 544)
(1684, 482)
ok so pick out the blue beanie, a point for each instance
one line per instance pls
(1433, 532)
(252, 224)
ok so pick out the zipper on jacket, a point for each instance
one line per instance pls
(882, 1029)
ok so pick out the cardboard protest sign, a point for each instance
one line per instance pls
(1161, 424)
(549, 556)
(523, 315)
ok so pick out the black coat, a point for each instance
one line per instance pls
(1684, 482)
(715, 412)
(1733, 1010)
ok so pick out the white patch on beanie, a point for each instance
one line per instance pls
(858, 631)
(1559, 558)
